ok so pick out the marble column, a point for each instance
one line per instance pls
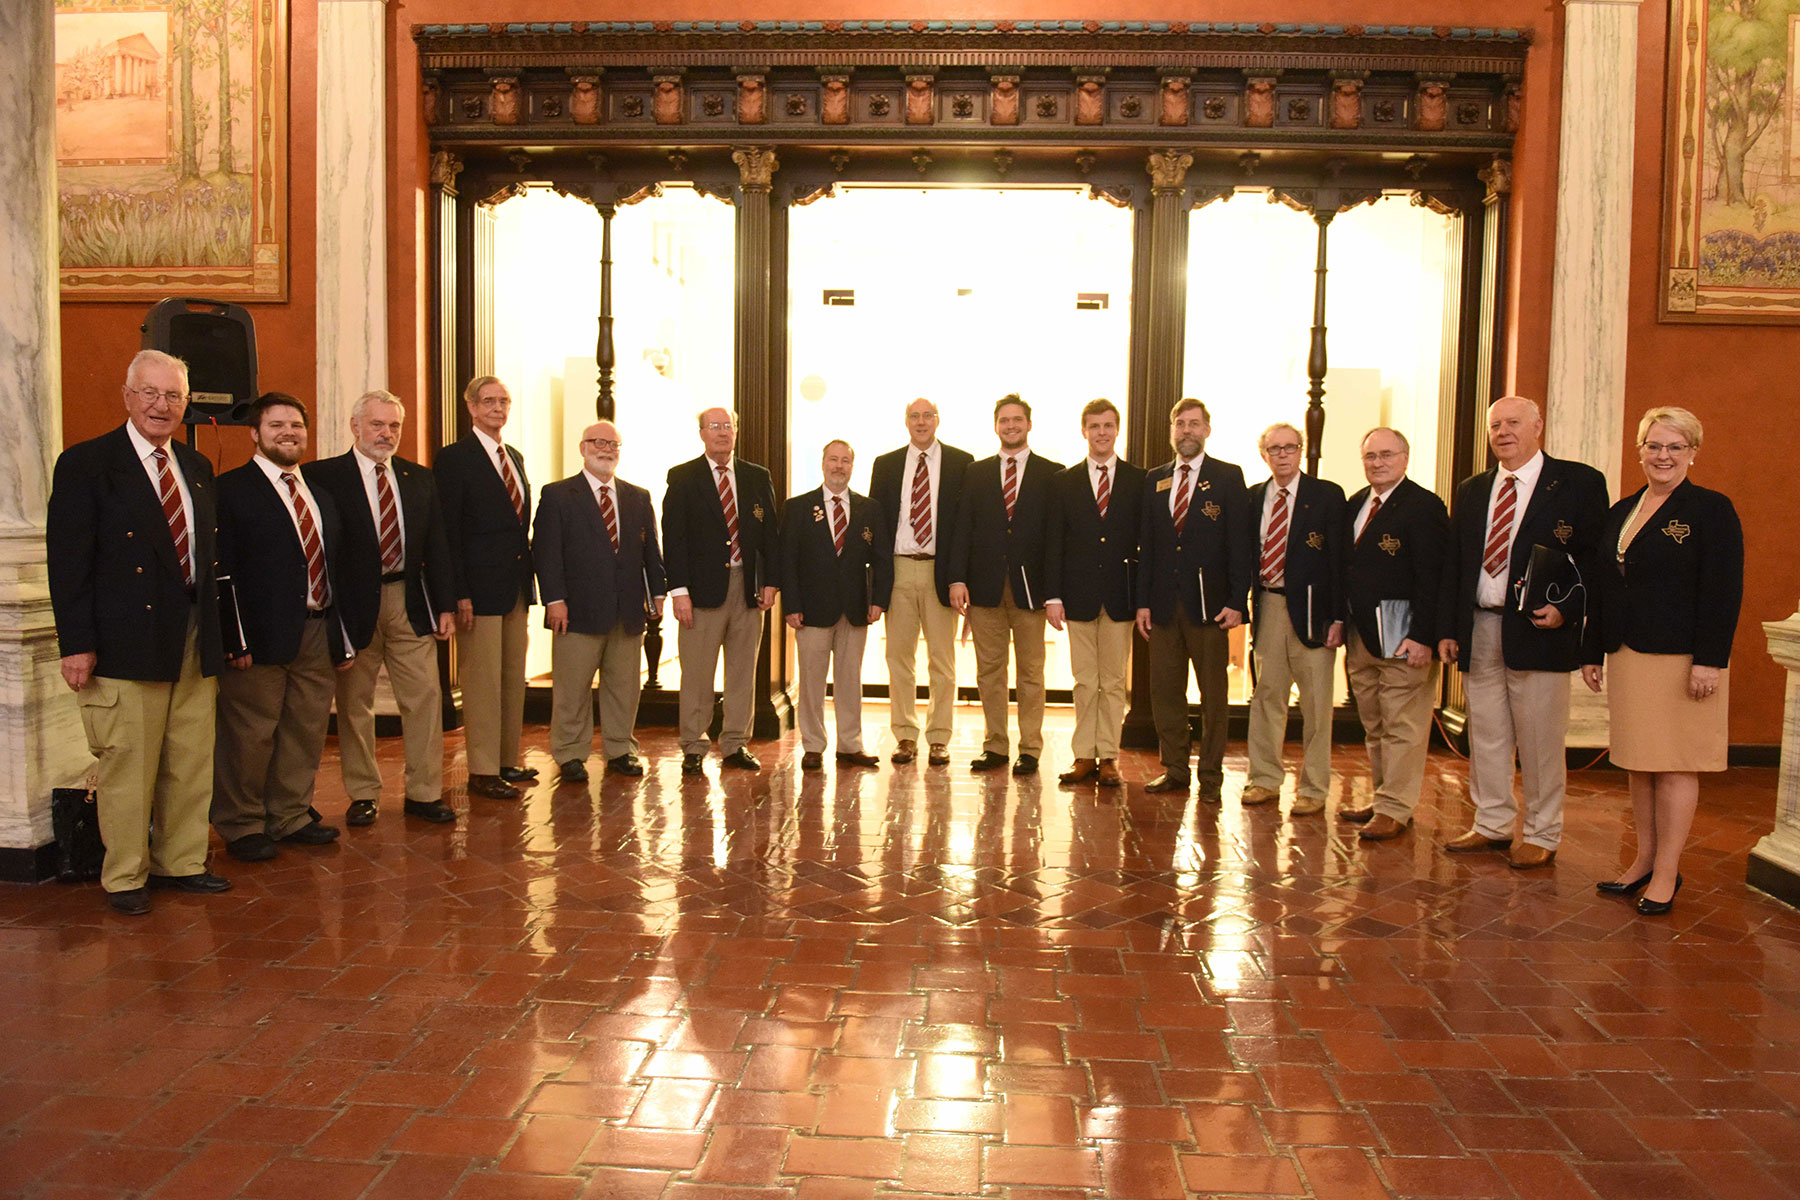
(1584, 416)
(351, 199)
(1774, 864)
(41, 742)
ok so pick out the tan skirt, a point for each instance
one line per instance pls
(1656, 725)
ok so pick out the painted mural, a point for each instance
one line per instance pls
(171, 148)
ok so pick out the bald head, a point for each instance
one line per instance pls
(1515, 431)
(922, 422)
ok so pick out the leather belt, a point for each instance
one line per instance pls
(315, 614)
(1273, 591)
(917, 557)
(1498, 608)
(394, 577)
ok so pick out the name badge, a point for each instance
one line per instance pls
(1163, 485)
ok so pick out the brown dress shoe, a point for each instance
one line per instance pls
(1080, 771)
(812, 760)
(1108, 770)
(1306, 806)
(856, 758)
(493, 788)
(1381, 828)
(939, 756)
(1259, 795)
(905, 752)
(1525, 856)
(1356, 814)
(1473, 842)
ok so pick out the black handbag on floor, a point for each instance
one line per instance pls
(75, 822)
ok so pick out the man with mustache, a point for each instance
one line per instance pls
(397, 598)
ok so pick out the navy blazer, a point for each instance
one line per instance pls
(1681, 586)
(1097, 566)
(490, 546)
(117, 590)
(576, 562)
(1211, 540)
(819, 583)
(259, 547)
(430, 583)
(1567, 508)
(1313, 574)
(696, 545)
(988, 551)
(894, 494)
(1400, 557)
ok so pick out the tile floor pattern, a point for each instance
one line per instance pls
(912, 983)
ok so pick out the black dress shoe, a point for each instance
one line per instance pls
(252, 847)
(205, 881)
(435, 811)
(625, 764)
(1608, 887)
(812, 760)
(989, 761)
(1656, 908)
(856, 758)
(360, 812)
(492, 787)
(134, 902)
(741, 760)
(1168, 781)
(1027, 765)
(693, 764)
(519, 774)
(314, 833)
(573, 771)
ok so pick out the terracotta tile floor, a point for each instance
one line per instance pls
(910, 983)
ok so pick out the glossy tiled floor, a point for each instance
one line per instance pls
(910, 983)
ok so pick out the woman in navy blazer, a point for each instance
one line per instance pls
(1665, 606)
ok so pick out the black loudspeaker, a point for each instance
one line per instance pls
(217, 341)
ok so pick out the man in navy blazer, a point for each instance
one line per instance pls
(1095, 518)
(1398, 534)
(129, 540)
(599, 569)
(917, 530)
(1194, 571)
(1296, 617)
(1002, 560)
(1516, 663)
(837, 577)
(397, 597)
(278, 541)
(487, 514)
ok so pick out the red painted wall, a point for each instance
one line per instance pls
(1723, 373)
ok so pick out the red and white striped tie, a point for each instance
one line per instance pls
(1274, 550)
(1493, 561)
(838, 524)
(1102, 493)
(309, 541)
(513, 491)
(392, 557)
(1182, 497)
(1010, 490)
(610, 515)
(921, 506)
(170, 495)
(728, 502)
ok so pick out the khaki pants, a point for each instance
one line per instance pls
(155, 746)
(839, 648)
(1172, 648)
(271, 735)
(1283, 660)
(1394, 701)
(490, 666)
(993, 630)
(734, 629)
(412, 668)
(575, 658)
(915, 609)
(1100, 660)
(1527, 710)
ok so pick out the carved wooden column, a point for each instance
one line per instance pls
(1316, 357)
(762, 416)
(605, 355)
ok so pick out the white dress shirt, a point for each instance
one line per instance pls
(1362, 514)
(145, 448)
(275, 473)
(1193, 479)
(366, 466)
(904, 540)
(1262, 529)
(1490, 590)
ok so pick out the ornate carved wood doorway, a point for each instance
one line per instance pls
(1159, 117)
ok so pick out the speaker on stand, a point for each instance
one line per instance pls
(217, 341)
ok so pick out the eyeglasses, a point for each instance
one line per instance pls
(717, 427)
(151, 394)
(603, 443)
(1664, 447)
(1289, 448)
(1381, 456)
